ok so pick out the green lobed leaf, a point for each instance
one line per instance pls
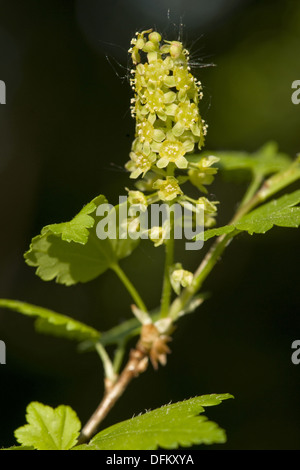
(215, 232)
(77, 229)
(49, 428)
(169, 427)
(69, 263)
(64, 253)
(53, 323)
(280, 212)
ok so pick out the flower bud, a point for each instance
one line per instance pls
(175, 49)
(154, 37)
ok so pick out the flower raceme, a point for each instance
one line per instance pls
(165, 105)
(168, 127)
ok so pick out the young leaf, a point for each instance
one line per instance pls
(49, 428)
(76, 230)
(169, 427)
(69, 263)
(215, 232)
(53, 323)
(281, 212)
(57, 255)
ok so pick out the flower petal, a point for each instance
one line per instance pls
(178, 129)
(162, 162)
(181, 163)
(158, 135)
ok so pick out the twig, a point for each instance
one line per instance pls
(152, 344)
(136, 364)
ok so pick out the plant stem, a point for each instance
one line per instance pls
(130, 287)
(118, 358)
(249, 201)
(200, 275)
(136, 364)
(252, 188)
(107, 364)
(169, 257)
(280, 180)
(257, 194)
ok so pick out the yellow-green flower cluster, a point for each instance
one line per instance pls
(165, 105)
(168, 128)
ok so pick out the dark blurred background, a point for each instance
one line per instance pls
(66, 132)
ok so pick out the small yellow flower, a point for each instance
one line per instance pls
(207, 206)
(180, 278)
(156, 73)
(140, 163)
(154, 100)
(146, 133)
(210, 211)
(168, 189)
(158, 235)
(187, 118)
(203, 173)
(172, 151)
(138, 43)
(137, 198)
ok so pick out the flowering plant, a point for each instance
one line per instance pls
(166, 162)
